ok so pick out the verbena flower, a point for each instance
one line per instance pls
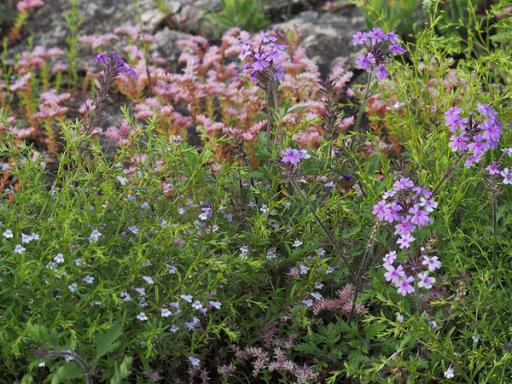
(474, 135)
(379, 47)
(294, 156)
(111, 62)
(262, 57)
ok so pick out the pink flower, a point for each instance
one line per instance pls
(405, 241)
(389, 259)
(28, 5)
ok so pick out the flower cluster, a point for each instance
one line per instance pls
(496, 169)
(408, 207)
(473, 135)
(411, 275)
(379, 46)
(262, 57)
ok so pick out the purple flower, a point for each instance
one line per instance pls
(111, 61)
(359, 38)
(380, 210)
(404, 286)
(404, 228)
(382, 72)
(392, 212)
(453, 119)
(294, 156)
(432, 263)
(425, 281)
(389, 259)
(507, 176)
(366, 62)
(419, 216)
(405, 241)
(394, 275)
(493, 168)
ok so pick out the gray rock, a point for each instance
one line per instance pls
(326, 36)
(166, 44)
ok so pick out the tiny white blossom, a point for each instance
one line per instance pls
(142, 316)
(125, 296)
(94, 236)
(133, 229)
(41, 364)
(73, 287)
(141, 291)
(303, 269)
(8, 234)
(164, 312)
(144, 205)
(148, 279)
(297, 243)
(449, 373)
(25, 239)
(307, 302)
(216, 304)
(19, 249)
(174, 329)
(171, 268)
(187, 298)
(122, 180)
(59, 258)
(181, 211)
(88, 279)
(196, 363)
(78, 261)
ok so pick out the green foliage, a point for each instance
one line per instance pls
(246, 14)
(390, 15)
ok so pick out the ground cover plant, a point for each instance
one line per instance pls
(245, 220)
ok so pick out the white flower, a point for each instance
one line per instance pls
(88, 279)
(41, 364)
(187, 298)
(73, 287)
(196, 363)
(78, 261)
(94, 236)
(164, 312)
(197, 305)
(307, 302)
(297, 243)
(171, 268)
(25, 239)
(303, 269)
(320, 252)
(144, 205)
(433, 324)
(19, 249)
(148, 279)
(181, 211)
(141, 291)
(244, 250)
(142, 316)
(449, 373)
(8, 234)
(264, 208)
(122, 180)
(174, 329)
(133, 229)
(216, 304)
(59, 258)
(125, 296)
(317, 295)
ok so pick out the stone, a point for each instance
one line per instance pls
(326, 36)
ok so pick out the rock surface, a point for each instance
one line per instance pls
(326, 36)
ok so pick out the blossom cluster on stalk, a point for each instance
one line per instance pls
(497, 170)
(407, 277)
(407, 207)
(475, 134)
(262, 57)
(379, 47)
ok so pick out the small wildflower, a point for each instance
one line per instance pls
(59, 258)
(187, 298)
(216, 304)
(73, 287)
(8, 234)
(88, 279)
(449, 373)
(94, 236)
(148, 279)
(19, 249)
(297, 243)
(164, 312)
(142, 316)
(196, 363)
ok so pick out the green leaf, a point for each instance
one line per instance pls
(66, 372)
(106, 342)
(27, 379)
(122, 371)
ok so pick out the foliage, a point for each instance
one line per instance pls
(237, 225)
(246, 14)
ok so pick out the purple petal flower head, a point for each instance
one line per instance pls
(419, 216)
(493, 168)
(262, 57)
(389, 259)
(425, 281)
(473, 136)
(404, 286)
(366, 62)
(405, 240)
(382, 72)
(380, 210)
(379, 47)
(294, 156)
(507, 176)
(432, 263)
(112, 62)
(394, 275)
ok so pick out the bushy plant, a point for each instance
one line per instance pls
(239, 224)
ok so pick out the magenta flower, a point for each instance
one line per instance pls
(366, 62)
(380, 210)
(382, 72)
(419, 216)
(389, 259)
(405, 241)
